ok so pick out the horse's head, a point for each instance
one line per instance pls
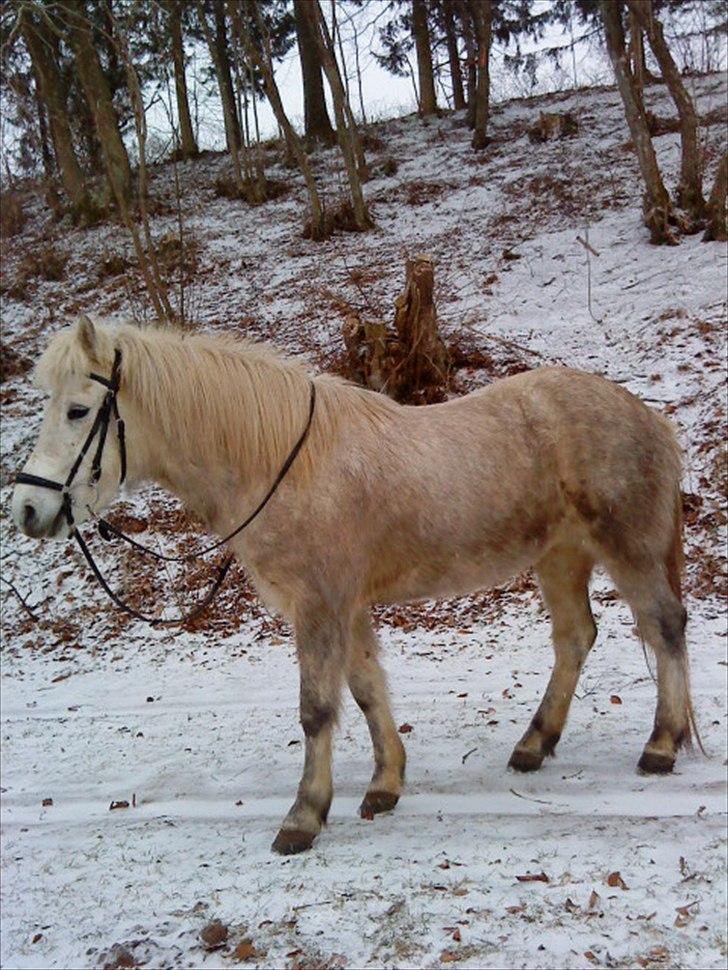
(75, 468)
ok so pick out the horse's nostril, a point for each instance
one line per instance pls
(28, 514)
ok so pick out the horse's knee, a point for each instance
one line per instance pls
(316, 717)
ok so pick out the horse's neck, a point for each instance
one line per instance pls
(215, 487)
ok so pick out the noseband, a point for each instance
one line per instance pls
(109, 407)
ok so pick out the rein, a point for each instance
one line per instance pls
(109, 407)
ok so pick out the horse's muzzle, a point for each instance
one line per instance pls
(38, 517)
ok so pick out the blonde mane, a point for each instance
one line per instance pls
(215, 396)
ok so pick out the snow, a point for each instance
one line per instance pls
(198, 730)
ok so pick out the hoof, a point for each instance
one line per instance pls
(653, 763)
(524, 760)
(376, 802)
(292, 841)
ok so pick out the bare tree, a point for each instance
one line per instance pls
(657, 209)
(316, 119)
(482, 12)
(156, 287)
(98, 96)
(218, 47)
(41, 43)
(188, 142)
(690, 188)
(716, 228)
(262, 60)
(453, 55)
(425, 73)
(221, 63)
(346, 129)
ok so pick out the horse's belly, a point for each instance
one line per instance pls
(436, 578)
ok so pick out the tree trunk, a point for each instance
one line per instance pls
(227, 96)
(217, 45)
(98, 96)
(347, 134)
(49, 162)
(690, 188)
(410, 364)
(471, 55)
(52, 90)
(426, 77)
(317, 123)
(483, 20)
(156, 288)
(657, 210)
(453, 55)
(327, 52)
(293, 143)
(716, 228)
(188, 143)
(637, 52)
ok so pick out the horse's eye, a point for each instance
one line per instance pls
(77, 412)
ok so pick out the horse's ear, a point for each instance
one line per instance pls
(86, 333)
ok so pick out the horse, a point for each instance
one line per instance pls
(552, 469)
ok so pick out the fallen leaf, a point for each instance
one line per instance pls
(533, 877)
(448, 956)
(594, 900)
(591, 957)
(405, 728)
(614, 879)
(615, 699)
(570, 906)
(456, 936)
(443, 865)
(47, 802)
(463, 695)
(214, 935)
(245, 950)
(120, 804)
(515, 909)
(37, 937)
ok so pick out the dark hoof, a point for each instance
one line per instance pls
(292, 841)
(652, 763)
(376, 802)
(523, 760)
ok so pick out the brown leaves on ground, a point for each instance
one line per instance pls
(214, 935)
(533, 877)
(615, 880)
(405, 729)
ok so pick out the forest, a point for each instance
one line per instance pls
(424, 198)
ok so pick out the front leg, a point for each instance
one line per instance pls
(321, 654)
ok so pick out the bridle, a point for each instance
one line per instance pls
(109, 408)
(100, 427)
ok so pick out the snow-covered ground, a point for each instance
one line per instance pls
(197, 729)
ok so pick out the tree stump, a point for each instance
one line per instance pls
(409, 363)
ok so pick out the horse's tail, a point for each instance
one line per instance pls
(674, 565)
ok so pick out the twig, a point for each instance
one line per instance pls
(467, 754)
(526, 798)
(23, 603)
(587, 245)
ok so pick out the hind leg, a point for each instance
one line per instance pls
(661, 620)
(369, 688)
(564, 579)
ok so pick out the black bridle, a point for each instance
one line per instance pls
(109, 408)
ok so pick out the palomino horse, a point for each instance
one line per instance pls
(554, 469)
